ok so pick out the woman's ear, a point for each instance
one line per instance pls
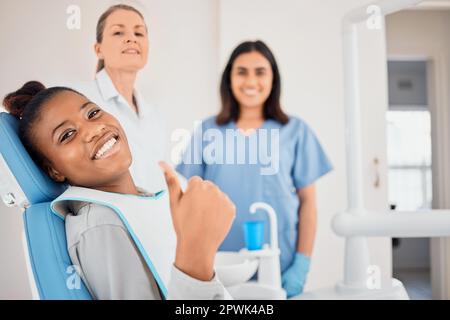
(55, 174)
(97, 49)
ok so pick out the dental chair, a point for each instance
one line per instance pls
(24, 185)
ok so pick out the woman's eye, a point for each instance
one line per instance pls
(67, 135)
(118, 33)
(93, 113)
(139, 34)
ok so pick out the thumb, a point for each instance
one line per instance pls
(173, 184)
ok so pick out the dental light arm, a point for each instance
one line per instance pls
(355, 223)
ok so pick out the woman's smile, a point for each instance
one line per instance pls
(250, 92)
(131, 51)
(108, 145)
(96, 151)
(105, 149)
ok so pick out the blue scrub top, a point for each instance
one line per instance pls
(258, 167)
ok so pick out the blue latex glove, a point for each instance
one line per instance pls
(294, 278)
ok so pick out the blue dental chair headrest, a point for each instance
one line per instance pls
(53, 272)
(36, 185)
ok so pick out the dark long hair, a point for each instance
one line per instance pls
(230, 107)
(26, 104)
(102, 22)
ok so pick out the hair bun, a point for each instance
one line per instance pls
(15, 102)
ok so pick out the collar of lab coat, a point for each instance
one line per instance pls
(106, 86)
(109, 91)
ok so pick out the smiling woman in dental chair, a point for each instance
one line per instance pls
(76, 142)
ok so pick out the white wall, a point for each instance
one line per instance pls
(190, 42)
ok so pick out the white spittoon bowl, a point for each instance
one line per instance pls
(233, 268)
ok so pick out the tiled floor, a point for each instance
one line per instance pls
(416, 281)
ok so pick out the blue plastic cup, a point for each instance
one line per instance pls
(254, 234)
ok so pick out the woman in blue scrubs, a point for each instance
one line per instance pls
(255, 152)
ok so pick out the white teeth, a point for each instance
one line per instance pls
(131, 51)
(250, 92)
(108, 145)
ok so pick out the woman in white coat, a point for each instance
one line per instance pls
(122, 47)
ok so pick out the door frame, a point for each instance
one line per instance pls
(437, 84)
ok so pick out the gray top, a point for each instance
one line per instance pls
(111, 266)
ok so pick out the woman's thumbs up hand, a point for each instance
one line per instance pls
(202, 217)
